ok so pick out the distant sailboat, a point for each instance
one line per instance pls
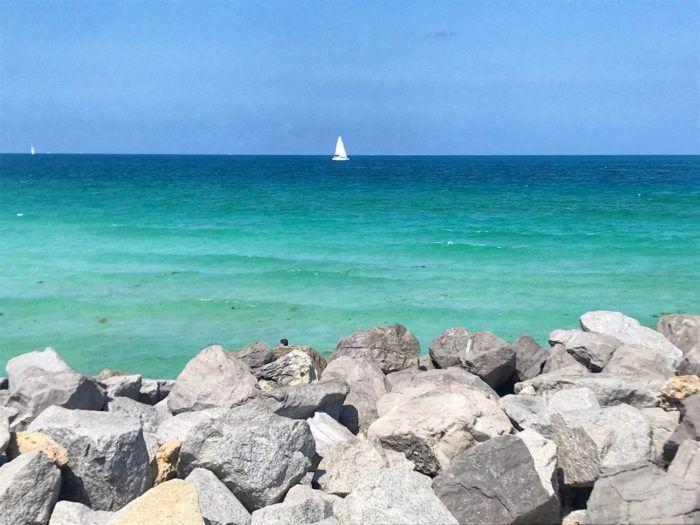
(340, 153)
(32, 151)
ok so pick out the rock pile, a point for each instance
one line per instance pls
(602, 427)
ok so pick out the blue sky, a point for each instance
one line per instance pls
(393, 77)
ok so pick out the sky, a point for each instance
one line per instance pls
(392, 77)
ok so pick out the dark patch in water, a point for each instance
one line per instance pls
(102, 320)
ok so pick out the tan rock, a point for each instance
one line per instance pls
(528, 390)
(318, 360)
(677, 389)
(22, 442)
(174, 502)
(165, 461)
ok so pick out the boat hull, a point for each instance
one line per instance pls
(340, 158)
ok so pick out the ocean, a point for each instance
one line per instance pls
(136, 262)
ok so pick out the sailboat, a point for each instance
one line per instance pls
(32, 151)
(340, 153)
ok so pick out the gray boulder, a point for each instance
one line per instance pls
(149, 417)
(482, 353)
(526, 411)
(544, 454)
(687, 429)
(629, 331)
(5, 415)
(496, 482)
(642, 493)
(37, 390)
(590, 349)
(107, 456)
(327, 432)
(662, 424)
(392, 347)
(153, 391)
(178, 427)
(301, 505)
(559, 359)
(118, 384)
(257, 454)
(46, 360)
(453, 375)
(686, 464)
(425, 362)
(304, 400)
(73, 513)
(293, 368)
(29, 487)
(395, 496)
(641, 364)
(213, 378)
(529, 357)
(255, 355)
(683, 330)
(366, 383)
(218, 504)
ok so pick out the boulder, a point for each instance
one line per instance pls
(366, 383)
(304, 400)
(318, 360)
(23, 442)
(5, 415)
(642, 493)
(294, 368)
(150, 417)
(107, 456)
(628, 330)
(425, 362)
(590, 349)
(397, 496)
(409, 422)
(348, 466)
(482, 353)
(526, 411)
(174, 502)
(641, 364)
(255, 355)
(544, 454)
(177, 427)
(676, 389)
(217, 504)
(495, 482)
(212, 378)
(662, 424)
(29, 487)
(39, 390)
(529, 357)
(154, 391)
(683, 330)
(453, 375)
(559, 359)
(301, 505)
(327, 432)
(575, 517)
(392, 347)
(686, 464)
(119, 384)
(257, 454)
(578, 456)
(46, 360)
(164, 464)
(688, 428)
(73, 513)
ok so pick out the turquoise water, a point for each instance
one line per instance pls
(137, 262)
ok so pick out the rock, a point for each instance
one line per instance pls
(301, 505)
(686, 464)
(409, 422)
(177, 427)
(395, 496)
(150, 417)
(119, 384)
(578, 457)
(495, 482)
(255, 355)
(392, 347)
(4, 383)
(23, 442)
(677, 389)
(690, 365)
(642, 493)
(366, 382)
(73, 513)
(327, 432)
(452, 375)
(107, 456)
(29, 487)
(526, 411)
(529, 357)
(154, 391)
(641, 364)
(318, 360)
(425, 362)
(174, 502)
(482, 353)
(165, 461)
(575, 517)
(212, 378)
(683, 330)
(609, 390)
(304, 400)
(561, 360)
(590, 349)
(46, 360)
(258, 455)
(629, 331)
(346, 467)
(688, 428)
(544, 454)
(39, 390)
(293, 368)
(5, 416)
(216, 503)
(662, 425)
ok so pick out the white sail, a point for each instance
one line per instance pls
(340, 153)
(32, 151)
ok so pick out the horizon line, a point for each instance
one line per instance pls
(46, 153)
